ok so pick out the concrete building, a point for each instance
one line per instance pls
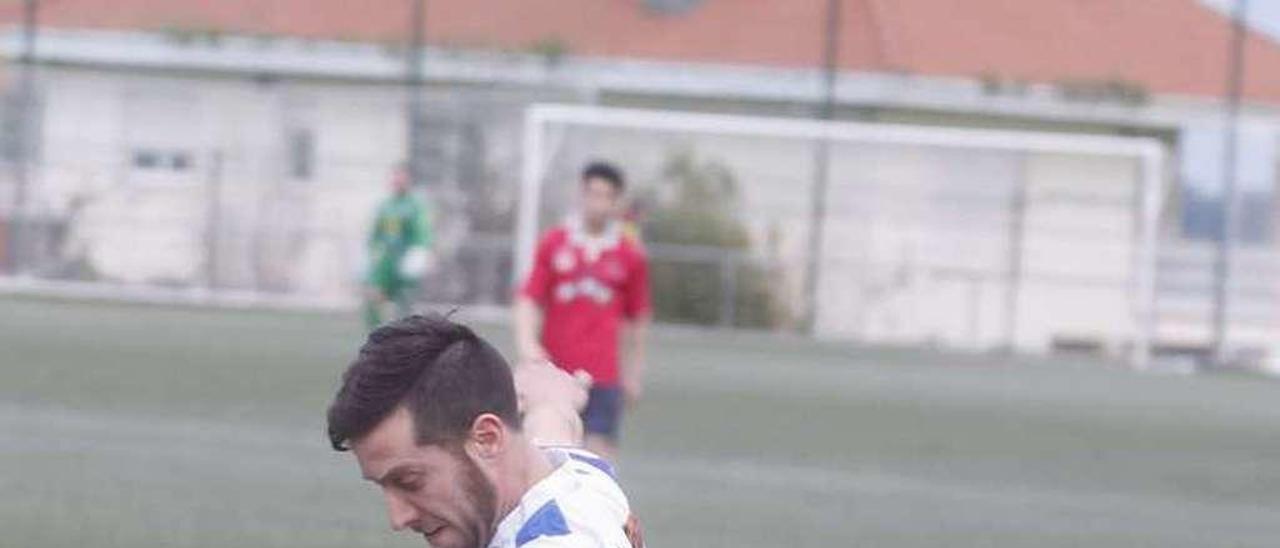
(285, 115)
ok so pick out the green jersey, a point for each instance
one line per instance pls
(401, 223)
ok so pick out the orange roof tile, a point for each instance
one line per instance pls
(1168, 46)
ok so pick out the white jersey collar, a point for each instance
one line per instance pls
(559, 481)
(592, 244)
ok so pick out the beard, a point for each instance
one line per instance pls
(481, 497)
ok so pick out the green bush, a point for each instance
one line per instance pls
(695, 203)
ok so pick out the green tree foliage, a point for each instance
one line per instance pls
(695, 203)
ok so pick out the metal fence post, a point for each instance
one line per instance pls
(1017, 233)
(213, 219)
(729, 289)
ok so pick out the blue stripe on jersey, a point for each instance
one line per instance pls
(546, 522)
(603, 465)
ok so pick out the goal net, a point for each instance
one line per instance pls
(961, 238)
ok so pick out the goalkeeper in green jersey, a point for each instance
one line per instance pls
(399, 251)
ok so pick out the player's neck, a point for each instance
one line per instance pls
(595, 228)
(531, 466)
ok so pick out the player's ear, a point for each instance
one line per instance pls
(488, 437)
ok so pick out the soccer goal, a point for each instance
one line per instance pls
(962, 238)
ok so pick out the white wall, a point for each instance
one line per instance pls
(920, 248)
(150, 224)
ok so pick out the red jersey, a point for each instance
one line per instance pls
(587, 285)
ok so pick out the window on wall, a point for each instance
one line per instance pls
(161, 134)
(20, 126)
(180, 161)
(1201, 153)
(672, 7)
(301, 144)
(297, 112)
(160, 160)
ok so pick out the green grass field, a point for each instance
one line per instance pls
(136, 426)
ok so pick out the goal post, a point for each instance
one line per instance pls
(966, 238)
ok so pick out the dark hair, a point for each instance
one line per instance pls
(440, 371)
(606, 171)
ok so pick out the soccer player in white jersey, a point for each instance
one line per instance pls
(466, 456)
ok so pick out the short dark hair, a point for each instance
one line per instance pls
(607, 172)
(440, 371)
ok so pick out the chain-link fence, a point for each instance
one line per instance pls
(237, 228)
(923, 242)
(275, 201)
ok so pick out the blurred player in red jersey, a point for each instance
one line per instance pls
(587, 293)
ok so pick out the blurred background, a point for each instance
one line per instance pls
(926, 271)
